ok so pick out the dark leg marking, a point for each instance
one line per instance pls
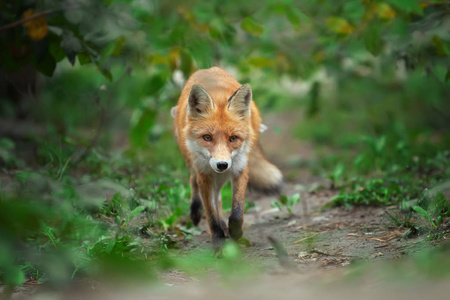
(218, 235)
(235, 223)
(196, 210)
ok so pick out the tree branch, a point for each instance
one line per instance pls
(35, 16)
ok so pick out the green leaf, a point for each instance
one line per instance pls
(372, 40)
(370, 141)
(447, 76)
(187, 64)
(48, 231)
(440, 46)
(338, 171)
(381, 144)
(14, 276)
(136, 211)
(104, 71)
(407, 5)
(6, 143)
(46, 66)
(261, 62)
(294, 199)
(279, 8)
(339, 25)
(145, 121)
(421, 212)
(170, 220)
(284, 199)
(231, 251)
(155, 84)
(353, 10)
(118, 45)
(245, 242)
(114, 48)
(56, 51)
(251, 27)
(275, 204)
(385, 12)
(292, 16)
(71, 46)
(110, 246)
(313, 103)
(84, 58)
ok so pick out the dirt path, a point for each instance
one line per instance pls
(311, 238)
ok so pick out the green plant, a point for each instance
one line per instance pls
(336, 175)
(436, 210)
(376, 156)
(370, 192)
(397, 185)
(286, 202)
(7, 155)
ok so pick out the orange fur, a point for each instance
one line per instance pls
(220, 86)
(221, 109)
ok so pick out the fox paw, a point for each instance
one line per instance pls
(218, 242)
(235, 229)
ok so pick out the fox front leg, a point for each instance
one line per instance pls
(236, 220)
(196, 201)
(218, 234)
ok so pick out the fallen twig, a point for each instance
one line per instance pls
(383, 239)
(281, 254)
(308, 237)
(322, 252)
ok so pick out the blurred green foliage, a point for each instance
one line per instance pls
(369, 80)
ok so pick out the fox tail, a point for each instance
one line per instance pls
(264, 177)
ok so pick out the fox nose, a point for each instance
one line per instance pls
(222, 165)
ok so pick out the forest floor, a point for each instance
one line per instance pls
(313, 237)
(309, 253)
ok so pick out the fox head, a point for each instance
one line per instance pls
(219, 133)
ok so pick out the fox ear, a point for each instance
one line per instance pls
(240, 101)
(200, 102)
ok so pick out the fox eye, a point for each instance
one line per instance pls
(207, 138)
(233, 139)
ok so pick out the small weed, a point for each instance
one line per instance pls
(286, 202)
(437, 209)
(7, 154)
(375, 153)
(336, 175)
(401, 219)
(32, 272)
(370, 192)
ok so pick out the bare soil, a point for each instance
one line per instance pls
(311, 238)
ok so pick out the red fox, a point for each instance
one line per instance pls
(217, 127)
